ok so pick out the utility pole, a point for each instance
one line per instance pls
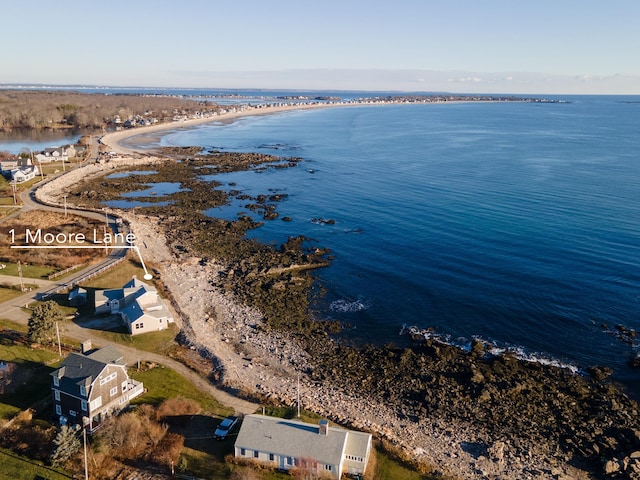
(298, 395)
(106, 227)
(65, 204)
(39, 163)
(20, 275)
(13, 186)
(84, 440)
(58, 333)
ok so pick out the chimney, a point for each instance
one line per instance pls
(323, 427)
(86, 347)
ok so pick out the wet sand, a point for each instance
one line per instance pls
(121, 141)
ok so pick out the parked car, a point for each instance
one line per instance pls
(225, 427)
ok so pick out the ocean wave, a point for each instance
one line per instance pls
(348, 306)
(491, 348)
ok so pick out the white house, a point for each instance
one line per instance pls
(55, 154)
(24, 174)
(285, 444)
(139, 305)
(9, 164)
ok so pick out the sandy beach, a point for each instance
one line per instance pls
(151, 133)
(269, 366)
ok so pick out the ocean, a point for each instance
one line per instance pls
(515, 223)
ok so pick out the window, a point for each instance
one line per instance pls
(243, 452)
(271, 457)
(139, 325)
(56, 394)
(83, 391)
(113, 392)
(108, 378)
(58, 410)
(96, 403)
(83, 404)
(73, 413)
(124, 386)
(256, 454)
(56, 381)
(291, 461)
(328, 468)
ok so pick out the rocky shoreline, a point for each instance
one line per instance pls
(462, 414)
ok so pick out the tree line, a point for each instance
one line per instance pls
(56, 109)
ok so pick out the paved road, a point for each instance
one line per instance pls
(13, 309)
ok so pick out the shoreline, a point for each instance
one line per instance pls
(114, 140)
(267, 365)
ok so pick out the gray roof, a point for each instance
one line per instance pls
(108, 354)
(298, 439)
(78, 369)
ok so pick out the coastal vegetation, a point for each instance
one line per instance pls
(67, 109)
(275, 280)
(38, 109)
(41, 262)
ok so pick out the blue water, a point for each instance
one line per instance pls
(518, 223)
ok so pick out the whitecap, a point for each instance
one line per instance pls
(492, 349)
(347, 306)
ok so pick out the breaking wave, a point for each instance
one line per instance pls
(491, 348)
(348, 306)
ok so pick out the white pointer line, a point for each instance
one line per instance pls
(72, 246)
(147, 275)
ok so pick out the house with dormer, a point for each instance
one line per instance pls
(90, 386)
(24, 174)
(138, 304)
(54, 154)
(321, 449)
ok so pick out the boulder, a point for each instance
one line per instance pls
(612, 466)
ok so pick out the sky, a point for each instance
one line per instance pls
(458, 46)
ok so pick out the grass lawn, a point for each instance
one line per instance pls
(29, 271)
(6, 211)
(157, 342)
(117, 276)
(30, 376)
(17, 467)
(162, 383)
(7, 294)
(11, 325)
(390, 469)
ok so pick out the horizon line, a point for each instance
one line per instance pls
(35, 85)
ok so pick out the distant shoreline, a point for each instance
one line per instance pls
(114, 139)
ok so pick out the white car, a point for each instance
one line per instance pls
(225, 427)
